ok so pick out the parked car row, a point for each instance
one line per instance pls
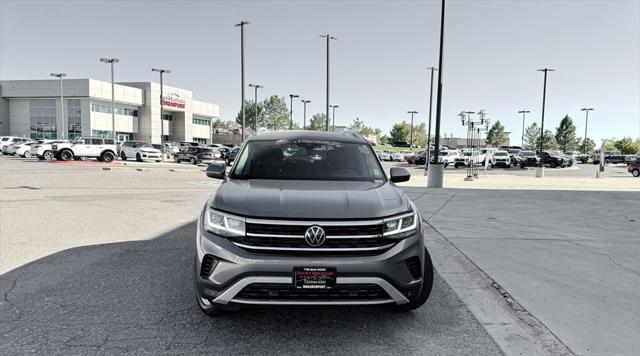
(107, 150)
(392, 155)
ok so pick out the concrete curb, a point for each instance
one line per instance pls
(511, 326)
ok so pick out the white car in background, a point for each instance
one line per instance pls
(42, 149)
(396, 156)
(447, 157)
(5, 141)
(383, 156)
(140, 151)
(23, 149)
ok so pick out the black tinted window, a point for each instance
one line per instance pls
(307, 160)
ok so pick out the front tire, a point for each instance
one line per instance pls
(27, 154)
(66, 155)
(635, 172)
(107, 156)
(425, 291)
(123, 156)
(48, 155)
(138, 157)
(227, 161)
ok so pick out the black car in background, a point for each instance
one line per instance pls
(527, 159)
(230, 156)
(194, 155)
(556, 159)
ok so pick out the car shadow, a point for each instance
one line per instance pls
(139, 297)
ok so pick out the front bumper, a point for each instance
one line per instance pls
(237, 269)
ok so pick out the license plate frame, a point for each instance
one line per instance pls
(314, 277)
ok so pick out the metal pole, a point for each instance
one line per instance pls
(428, 152)
(113, 106)
(327, 103)
(291, 96)
(161, 119)
(435, 180)
(544, 96)
(304, 122)
(333, 125)
(586, 122)
(411, 141)
(64, 128)
(241, 25)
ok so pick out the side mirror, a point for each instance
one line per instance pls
(399, 175)
(216, 170)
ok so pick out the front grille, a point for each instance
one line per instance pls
(353, 292)
(413, 265)
(289, 238)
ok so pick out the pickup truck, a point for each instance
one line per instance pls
(613, 157)
(102, 149)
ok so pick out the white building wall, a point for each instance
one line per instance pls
(20, 117)
(201, 131)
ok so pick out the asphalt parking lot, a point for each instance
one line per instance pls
(99, 261)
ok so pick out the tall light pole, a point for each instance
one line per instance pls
(411, 141)
(113, 105)
(60, 76)
(161, 71)
(333, 125)
(586, 122)
(256, 87)
(329, 38)
(291, 96)
(523, 112)
(436, 176)
(540, 170)
(241, 25)
(428, 151)
(304, 122)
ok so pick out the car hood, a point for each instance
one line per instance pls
(299, 199)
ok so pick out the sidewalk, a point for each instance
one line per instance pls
(504, 181)
(570, 258)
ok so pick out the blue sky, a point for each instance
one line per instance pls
(492, 51)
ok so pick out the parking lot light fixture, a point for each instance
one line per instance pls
(242, 108)
(113, 106)
(161, 71)
(523, 112)
(428, 153)
(256, 87)
(586, 122)
(540, 170)
(327, 103)
(411, 141)
(333, 120)
(304, 120)
(60, 76)
(291, 96)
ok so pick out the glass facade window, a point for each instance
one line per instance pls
(200, 121)
(167, 117)
(42, 118)
(100, 133)
(201, 141)
(119, 110)
(74, 113)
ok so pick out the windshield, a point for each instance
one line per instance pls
(307, 160)
(501, 153)
(527, 153)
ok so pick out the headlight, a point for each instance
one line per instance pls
(400, 227)
(223, 224)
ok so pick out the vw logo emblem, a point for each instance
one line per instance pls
(314, 236)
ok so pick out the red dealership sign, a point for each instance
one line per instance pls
(173, 100)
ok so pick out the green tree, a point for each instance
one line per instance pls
(275, 113)
(357, 126)
(400, 132)
(250, 114)
(566, 135)
(531, 136)
(627, 145)
(549, 141)
(496, 136)
(588, 148)
(420, 135)
(224, 125)
(385, 140)
(317, 122)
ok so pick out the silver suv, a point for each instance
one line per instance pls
(309, 218)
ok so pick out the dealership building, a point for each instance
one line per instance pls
(32, 108)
